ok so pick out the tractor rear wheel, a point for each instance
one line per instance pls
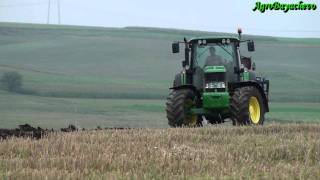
(247, 107)
(178, 108)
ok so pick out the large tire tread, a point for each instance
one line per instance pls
(175, 107)
(239, 105)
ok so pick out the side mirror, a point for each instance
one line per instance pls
(251, 46)
(175, 47)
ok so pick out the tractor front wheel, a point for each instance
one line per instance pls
(178, 108)
(247, 106)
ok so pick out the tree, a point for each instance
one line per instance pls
(11, 81)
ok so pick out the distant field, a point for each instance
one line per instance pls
(48, 112)
(286, 151)
(105, 76)
(294, 112)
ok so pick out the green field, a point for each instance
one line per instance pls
(120, 76)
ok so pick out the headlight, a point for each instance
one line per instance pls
(215, 85)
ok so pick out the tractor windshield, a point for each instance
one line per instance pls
(214, 54)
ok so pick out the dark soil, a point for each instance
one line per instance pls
(24, 131)
(27, 131)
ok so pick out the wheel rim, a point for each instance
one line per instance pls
(254, 110)
(191, 118)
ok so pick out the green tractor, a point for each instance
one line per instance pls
(217, 83)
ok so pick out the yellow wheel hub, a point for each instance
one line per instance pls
(254, 110)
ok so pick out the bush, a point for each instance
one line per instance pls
(11, 81)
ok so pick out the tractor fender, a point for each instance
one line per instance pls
(233, 86)
(178, 83)
(177, 80)
(187, 86)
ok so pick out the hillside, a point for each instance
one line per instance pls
(92, 76)
(66, 61)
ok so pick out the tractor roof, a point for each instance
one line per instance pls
(234, 38)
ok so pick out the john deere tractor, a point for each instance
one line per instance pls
(217, 83)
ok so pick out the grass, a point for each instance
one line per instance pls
(286, 151)
(49, 112)
(294, 112)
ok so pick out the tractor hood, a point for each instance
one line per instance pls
(215, 69)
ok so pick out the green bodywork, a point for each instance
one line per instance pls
(214, 101)
(214, 69)
(217, 100)
(246, 76)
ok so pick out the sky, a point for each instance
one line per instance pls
(205, 15)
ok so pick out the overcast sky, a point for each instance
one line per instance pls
(206, 15)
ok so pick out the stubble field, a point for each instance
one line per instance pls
(275, 151)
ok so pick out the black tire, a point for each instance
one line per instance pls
(178, 113)
(239, 106)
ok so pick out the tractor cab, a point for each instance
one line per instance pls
(205, 54)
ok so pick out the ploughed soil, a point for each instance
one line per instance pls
(28, 131)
